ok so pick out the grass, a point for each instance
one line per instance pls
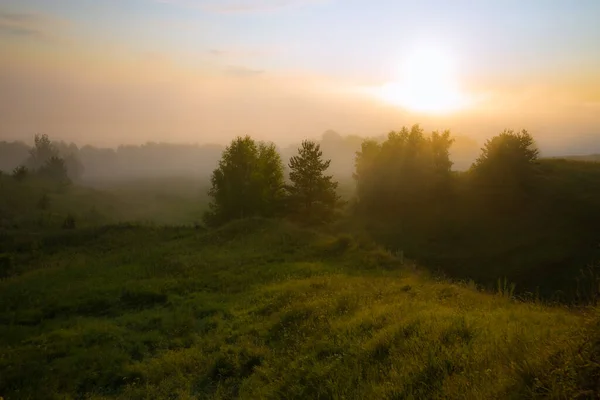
(265, 310)
(35, 204)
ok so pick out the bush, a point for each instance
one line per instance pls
(20, 173)
(69, 222)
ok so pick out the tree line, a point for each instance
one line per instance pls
(156, 159)
(88, 164)
(406, 174)
(44, 160)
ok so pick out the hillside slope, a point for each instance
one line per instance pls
(262, 309)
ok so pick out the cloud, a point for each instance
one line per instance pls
(235, 54)
(30, 25)
(241, 6)
(242, 71)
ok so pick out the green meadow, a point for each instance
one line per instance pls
(264, 309)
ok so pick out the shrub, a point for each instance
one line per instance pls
(20, 173)
(69, 222)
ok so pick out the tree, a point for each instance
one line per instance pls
(312, 194)
(55, 170)
(368, 181)
(248, 182)
(42, 151)
(271, 179)
(407, 172)
(507, 160)
(20, 173)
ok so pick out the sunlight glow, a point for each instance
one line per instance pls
(428, 83)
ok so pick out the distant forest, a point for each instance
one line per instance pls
(166, 159)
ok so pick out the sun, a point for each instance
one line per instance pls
(428, 82)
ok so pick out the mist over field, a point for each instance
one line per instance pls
(164, 159)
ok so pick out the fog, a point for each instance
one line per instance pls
(103, 111)
(167, 160)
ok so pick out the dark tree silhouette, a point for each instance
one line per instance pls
(55, 170)
(20, 173)
(44, 155)
(312, 194)
(405, 172)
(41, 153)
(507, 160)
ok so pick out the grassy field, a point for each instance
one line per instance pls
(265, 310)
(35, 204)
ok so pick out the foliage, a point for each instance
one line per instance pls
(42, 152)
(540, 244)
(20, 173)
(512, 215)
(248, 182)
(507, 160)
(270, 178)
(407, 170)
(312, 195)
(55, 170)
(47, 159)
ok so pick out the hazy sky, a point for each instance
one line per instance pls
(128, 71)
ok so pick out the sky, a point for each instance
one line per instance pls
(194, 71)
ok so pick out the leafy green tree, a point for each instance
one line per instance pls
(271, 180)
(312, 194)
(507, 160)
(248, 182)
